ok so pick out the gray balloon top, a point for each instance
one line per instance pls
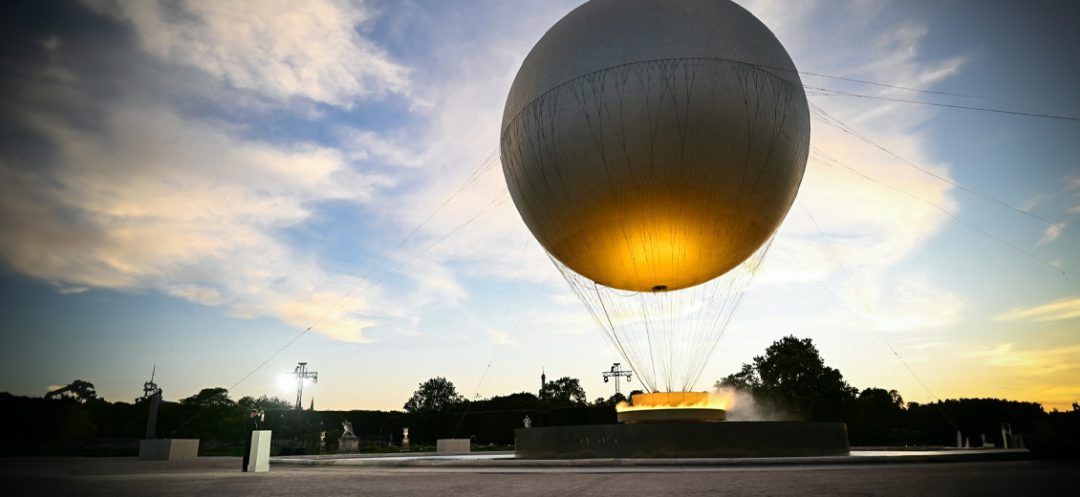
(605, 33)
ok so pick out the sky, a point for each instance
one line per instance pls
(190, 185)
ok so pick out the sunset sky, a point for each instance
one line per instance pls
(191, 184)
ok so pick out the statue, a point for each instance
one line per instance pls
(405, 438)
(347, 426)
(527, 421)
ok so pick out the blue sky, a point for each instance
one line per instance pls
(190, 184)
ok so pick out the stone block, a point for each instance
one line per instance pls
(169, 449)
(452, 446)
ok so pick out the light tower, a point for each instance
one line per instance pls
(303, 374)
(617, 373)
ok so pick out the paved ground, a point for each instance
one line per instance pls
(219, 476)
(507, 459)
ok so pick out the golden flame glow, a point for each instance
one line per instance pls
(674, 400)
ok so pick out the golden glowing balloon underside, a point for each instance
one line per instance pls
(667, 242)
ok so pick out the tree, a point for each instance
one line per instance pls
(610, 401)
(209, 397)
(878, 418)
(264, 402)
(563, 390)
(881, 400)
(435, 394)
(793, 375)
(79, 390)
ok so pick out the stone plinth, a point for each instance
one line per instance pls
(683, 440)
(453, 446)
(348, 445)
(169, 449)
(259, 457)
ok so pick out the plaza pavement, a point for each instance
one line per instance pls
(221, 476)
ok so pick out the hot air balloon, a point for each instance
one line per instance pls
(653, 147)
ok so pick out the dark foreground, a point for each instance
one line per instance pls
(218, 476)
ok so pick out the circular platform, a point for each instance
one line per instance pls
(684, 440)
(681, 415)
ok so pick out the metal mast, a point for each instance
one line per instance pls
(152, 392)
(617, 373)
(303, 374)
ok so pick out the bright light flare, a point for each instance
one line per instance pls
(286, 383)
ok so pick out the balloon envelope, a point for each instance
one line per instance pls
(655, 144)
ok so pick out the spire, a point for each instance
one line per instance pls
(312, 407)
(543, 381)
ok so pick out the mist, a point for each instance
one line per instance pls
(743, 406)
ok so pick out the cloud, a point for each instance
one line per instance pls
(1073, 185)
(184, 207)
(1051, 233)
(1031, 362)
(365, 145)
(128, 189)
(70, 290)
(278, 48)
(1058, 310)
(500, 338)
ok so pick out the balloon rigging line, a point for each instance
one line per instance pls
(691, 339)
(862, 300)
(825, 160)
(495, 349)
(738, 296)
(832, 121)
(827, 92)
(870, 323)
(893, 86)
(479, 171)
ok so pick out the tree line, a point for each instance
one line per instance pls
(789, 381)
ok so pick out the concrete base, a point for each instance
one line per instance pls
(349, 445)
(259, 457)
(169, 449)
(453, 446)
(683, 440)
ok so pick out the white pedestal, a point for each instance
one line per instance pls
(259, 457)
(452, 446)
(169, 449)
